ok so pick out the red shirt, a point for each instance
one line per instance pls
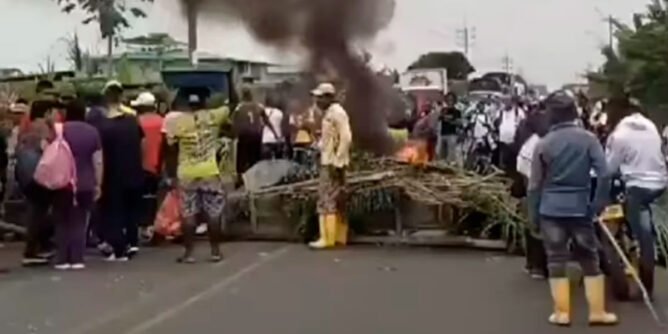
(25, 120)
(151, 124)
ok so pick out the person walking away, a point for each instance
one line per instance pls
(247, 125)
(152, 124)
(272, 134)
(334, 158)
(123, 178)
(196, 134)
(32, 139)
(560, 178)
(634, 150)
(509, 120)
(529, 133)
(72, 206)
(448, 128)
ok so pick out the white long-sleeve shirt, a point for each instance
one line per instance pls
(635, 149)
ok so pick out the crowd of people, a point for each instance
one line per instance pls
(564, 156)
(85, 170)
(105, 159)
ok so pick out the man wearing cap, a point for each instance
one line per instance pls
(335, 142)
(196, 133)
(560, 178)
(151, 123)
(123, 184)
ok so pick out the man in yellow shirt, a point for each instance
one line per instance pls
(334, 158)
(197, 135)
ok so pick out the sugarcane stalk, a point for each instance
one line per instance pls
(631, 269)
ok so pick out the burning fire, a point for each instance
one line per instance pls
(414, 152)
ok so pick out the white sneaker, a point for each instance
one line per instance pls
(64, 266)
(78, 266)
(133, 250)
(113, 258)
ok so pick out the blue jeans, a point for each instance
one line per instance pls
(639, 216)
(558, 232)
(447, 149)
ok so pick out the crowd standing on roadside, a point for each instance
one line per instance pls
(92, 174)
(119, 155)
(563, 155)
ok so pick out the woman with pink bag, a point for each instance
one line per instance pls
(72, 204)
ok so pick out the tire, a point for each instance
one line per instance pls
(613, 268)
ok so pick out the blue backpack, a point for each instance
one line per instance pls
(27, 160)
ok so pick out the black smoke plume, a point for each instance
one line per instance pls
(328, 31)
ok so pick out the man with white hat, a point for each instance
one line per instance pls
(151, 123)
(335, 142)
(113, 93)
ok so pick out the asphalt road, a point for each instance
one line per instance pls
(287, 289)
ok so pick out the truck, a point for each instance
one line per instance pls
(424, 85)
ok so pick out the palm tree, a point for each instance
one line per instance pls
(192, 8)
(111, 15)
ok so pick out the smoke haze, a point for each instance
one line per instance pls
(327, 30)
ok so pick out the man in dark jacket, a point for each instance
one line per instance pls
(536, 123)
(560, 176)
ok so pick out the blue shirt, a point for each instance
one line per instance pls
(560, 173)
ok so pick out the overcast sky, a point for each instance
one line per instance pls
(550, 41)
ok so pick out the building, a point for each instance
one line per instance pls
(142, 67)
(10, 73)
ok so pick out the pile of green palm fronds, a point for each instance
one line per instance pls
(374, 185)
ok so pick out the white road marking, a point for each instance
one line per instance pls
(216, 288)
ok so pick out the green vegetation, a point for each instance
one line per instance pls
(111, 16)
(638, 65)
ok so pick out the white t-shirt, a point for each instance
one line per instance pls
(275, 117)
(525, 157)
(510, 119)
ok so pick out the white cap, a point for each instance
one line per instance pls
(112, 83)
(145, 99)
(324, 89)
(193, 98)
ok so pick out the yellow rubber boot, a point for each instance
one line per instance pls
(595, 289)
(341, 230)
(323, 241)
(561, 296)
(331, 224)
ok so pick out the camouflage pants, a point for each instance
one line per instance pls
(332, 190)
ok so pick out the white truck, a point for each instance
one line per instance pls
(425, 80)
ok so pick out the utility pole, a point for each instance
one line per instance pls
(466, 37)
(611, 32)
(507, 63)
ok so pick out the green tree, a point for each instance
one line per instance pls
(456, 63)
(74, 52)
(638, 66)
(111, 15)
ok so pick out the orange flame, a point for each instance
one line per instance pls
(414, 153)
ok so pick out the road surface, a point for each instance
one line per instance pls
(287, 289)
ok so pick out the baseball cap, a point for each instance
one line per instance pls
(19, 108)
(112, 84)
(145, 99)
(194, 99)
(324, 89)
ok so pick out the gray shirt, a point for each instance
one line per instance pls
(560, 173)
